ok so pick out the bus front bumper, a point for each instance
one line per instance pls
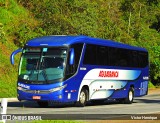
(58, 96)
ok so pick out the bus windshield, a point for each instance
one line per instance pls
(42, 64)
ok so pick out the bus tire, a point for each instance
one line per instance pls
(42, 104)
(130, 96)
(83, 98)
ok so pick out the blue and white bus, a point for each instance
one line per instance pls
(80, 69)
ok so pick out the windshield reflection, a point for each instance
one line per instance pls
(42, 65)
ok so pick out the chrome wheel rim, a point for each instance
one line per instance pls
(82, 97)
(130, 96)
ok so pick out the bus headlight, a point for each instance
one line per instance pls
(58, 88)
(19, 88)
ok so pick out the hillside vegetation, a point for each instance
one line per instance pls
(135, 22)
(16, 26)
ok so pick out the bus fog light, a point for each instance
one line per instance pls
(19, 88)
(60, 96)
(69, 95)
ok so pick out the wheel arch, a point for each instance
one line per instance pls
(86, 87)
(132, 86)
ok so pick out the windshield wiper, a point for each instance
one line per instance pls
(32, 72)
(45, 75)
(44, 71)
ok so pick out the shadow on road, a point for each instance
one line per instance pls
(22, 104)
(147, 101)
(32, 104)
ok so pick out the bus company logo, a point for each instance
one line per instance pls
(24, 86)
(103, 73)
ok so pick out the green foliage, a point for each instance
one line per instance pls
(155, 65)
(17, 25)
(150, 85)
(76, 17)
(18, 22)
(2, 34)
(134, 22)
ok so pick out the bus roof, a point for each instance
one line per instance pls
(68, 40)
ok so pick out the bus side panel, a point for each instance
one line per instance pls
(71, 92)
(119, 94)
(141, 84)
(123, 92)
(141, 88)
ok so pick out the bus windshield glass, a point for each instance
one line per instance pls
(42, 64)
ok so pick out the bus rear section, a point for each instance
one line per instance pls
(115, 72)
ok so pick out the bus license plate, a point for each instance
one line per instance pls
(36, 97)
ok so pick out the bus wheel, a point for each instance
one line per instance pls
(83, 97)
(42, 104)
(130, 96)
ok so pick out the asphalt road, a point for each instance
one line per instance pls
(149, 104)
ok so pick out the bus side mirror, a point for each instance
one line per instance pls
(71, 60)
(13, 54)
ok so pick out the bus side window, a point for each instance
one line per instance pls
(102, 55)
(134, 59)
(123, 57)
(143, 59)
(119, 57)
(90, 55)
(71, 69)
(78, 51)
(112, 56)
